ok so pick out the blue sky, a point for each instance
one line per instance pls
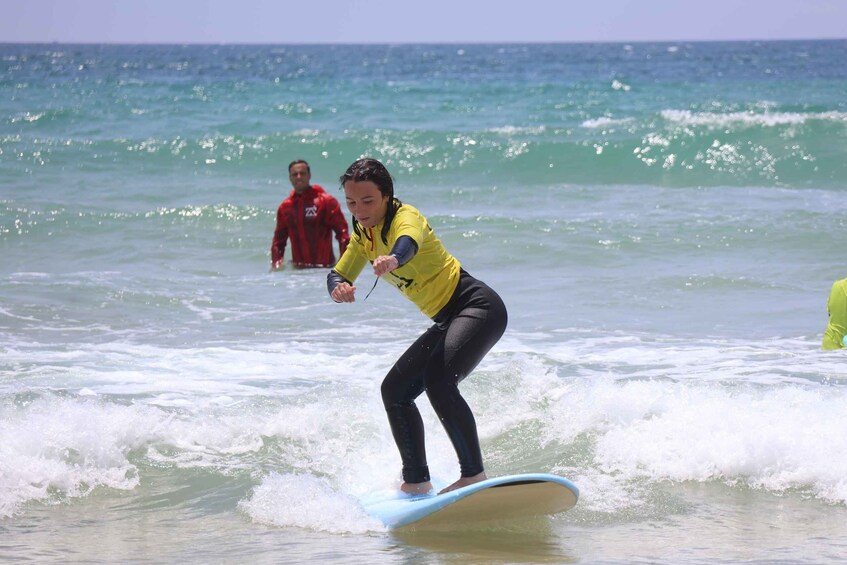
(416, 21)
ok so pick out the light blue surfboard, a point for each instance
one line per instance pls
(500, 498)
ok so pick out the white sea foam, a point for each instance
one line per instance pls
(69, 446)
(788, 438)
(605, 122)
(646, 409)
(683, 427)
(305, 501)
(767, 119)
(516, 130)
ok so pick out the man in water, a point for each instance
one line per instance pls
(833, 337)
(308, 217)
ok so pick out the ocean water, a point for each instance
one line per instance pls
(663, 221)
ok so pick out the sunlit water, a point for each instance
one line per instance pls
(663, 221)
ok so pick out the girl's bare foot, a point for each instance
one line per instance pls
(465, 481)
(416, 488)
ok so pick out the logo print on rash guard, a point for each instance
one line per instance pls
(400, 282)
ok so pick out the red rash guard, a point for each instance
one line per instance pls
(309, 219)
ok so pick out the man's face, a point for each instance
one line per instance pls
(300, 177)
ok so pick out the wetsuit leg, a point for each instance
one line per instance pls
(478, 323)
(403, 384)
(445, 354)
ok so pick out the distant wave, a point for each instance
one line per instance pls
(711, 119)
(606, 122)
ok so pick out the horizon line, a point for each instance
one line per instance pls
(409, 43)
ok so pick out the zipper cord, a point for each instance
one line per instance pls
(373, 246)
(372, 289)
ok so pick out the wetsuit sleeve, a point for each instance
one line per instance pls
(404, 249)
(333, 279)
(280, 236)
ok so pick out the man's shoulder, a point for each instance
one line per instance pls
(289, 200)
(287, 203)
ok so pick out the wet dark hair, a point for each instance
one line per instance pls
(368, 169)
(297, 162)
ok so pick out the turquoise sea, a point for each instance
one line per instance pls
(663, 220)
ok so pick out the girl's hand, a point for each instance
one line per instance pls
(385, 264)
(344, 292)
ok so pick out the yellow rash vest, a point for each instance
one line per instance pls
(431, 276)
(837, 306)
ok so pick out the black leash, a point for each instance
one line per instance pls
(372, 289)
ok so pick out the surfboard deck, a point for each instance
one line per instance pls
(499, 498)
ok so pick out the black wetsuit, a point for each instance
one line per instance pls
(464, 331)
(471, 320)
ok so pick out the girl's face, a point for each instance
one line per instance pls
(365, 202)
